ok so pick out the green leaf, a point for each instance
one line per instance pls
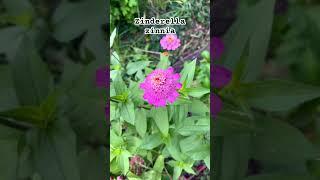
(27, 114)
(9, 153)
(8, 97)
(281, 143)
(235, 157)
(277, 95)
(56, 145)
(177, 172)
(164, 62)
(72, 19)
(92, 163)
(160, 116)
(13, 34)
(141, 122)
(197, 92)
(194, 125)
(123, 161)
(189, 143)
(31, 77)
(95, 43)
(151, 175)
(231, 123)
(134, 67)
(151, 141)
(159, 164)
(127, 112)
(259, 40)
(17, 7)
(112, 37)
(281, 177)
(187, 73)
(119, 85)
(197, 107)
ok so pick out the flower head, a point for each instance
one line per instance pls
(161, 86)
(170, 42)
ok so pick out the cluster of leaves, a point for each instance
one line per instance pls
(255, 137)
(124, 10)
(172, 139)
(52, 127)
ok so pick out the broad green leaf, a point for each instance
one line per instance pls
(26, 114)
(194, 125)
(17, 7)
(164, 62)
(123, 161)
(236, 38)
(70, 21)
(160, 116)
(115, 140)
(112, 37)
(197, 92)
(94, 43)
(141, 122)
(280, 142)
(207, 161)
(88, 103)
(159, 164)
(119, 85)
(187, 73)
(189, 143)
(31, 77)
(198, 107)
(9, 158)
(151, 175)
(8, 97)
(235, 157)
(56, 145)
(134, 67)
(231, 123)
(73, 19)
(277, 95)
(292, 176)
(14, 35)
(151, 141)
(71, 71)
(92, 163)
(177, 172)
(9, 153)
(127, 112)
(259, 40)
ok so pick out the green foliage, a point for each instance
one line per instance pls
(161, 136)
(52, 124)
(258, 128)
(124, 10)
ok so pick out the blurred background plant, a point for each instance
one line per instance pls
(52, 116)
(272, 91)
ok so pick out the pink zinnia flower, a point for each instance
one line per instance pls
(170, 42)
(161, 86)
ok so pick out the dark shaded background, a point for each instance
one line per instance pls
(52, 115)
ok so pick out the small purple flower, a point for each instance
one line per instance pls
(216, 48)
